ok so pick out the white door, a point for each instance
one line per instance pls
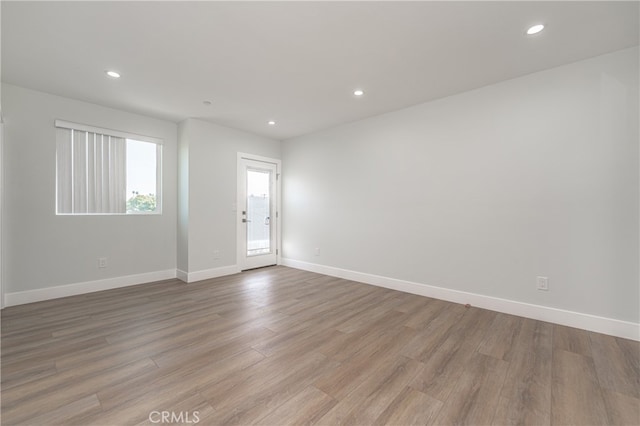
(257, 212)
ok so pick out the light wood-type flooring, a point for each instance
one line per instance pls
(280, 346)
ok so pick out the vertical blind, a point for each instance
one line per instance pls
(91, 172)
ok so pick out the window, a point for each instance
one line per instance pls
(100, 171)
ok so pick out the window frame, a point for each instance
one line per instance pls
(127, 136)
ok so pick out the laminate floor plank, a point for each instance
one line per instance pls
(621, 409)
(445, 365)
(20, 376)
(576, 397)
(305, 341)
(196, 374)
(351, 373)
(127, 319)
(475, 397)
(363, 403)
(383, 304)
(250, 400)
(72, 413)
(21, 403)
(23, 341)
(48, 348)
(357, 300)
(502, 334)
(630, 350)
(431, 337)
(44, 355)
(81, 374)
(616, 370)
(270, 399)
(470, 331)
(430, 309)
(212, 349)
(380, 334)
(410, 407)
(571, 340)
(307, 306)
(279, 346)
(269, 370)
(305, 408)
(441, 372)
(380, 396)
(343, 310)
(148, 409)
(166, 330)
(139, 347)
(191, 411)
(527, 387)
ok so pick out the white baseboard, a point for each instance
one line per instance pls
(182, 275)
(206, 274)
(38, 295)
(613, 327)
(30, 296)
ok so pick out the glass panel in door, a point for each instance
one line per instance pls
(258, 212)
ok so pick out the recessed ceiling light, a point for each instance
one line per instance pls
(113, 74)
(358, 92)
(207, 103)
(535, 29)
(271, 123)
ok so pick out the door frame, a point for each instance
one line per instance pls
(278, 231)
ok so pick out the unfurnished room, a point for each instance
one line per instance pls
(331, 213)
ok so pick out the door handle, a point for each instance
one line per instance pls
(244, 220)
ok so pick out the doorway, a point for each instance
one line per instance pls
(258, 211)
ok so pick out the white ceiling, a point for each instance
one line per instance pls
(294, 62)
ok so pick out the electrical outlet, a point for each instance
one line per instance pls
(542, 283)
(216, 254)
(102, 262)
(317, 251)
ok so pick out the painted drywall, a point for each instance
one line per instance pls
(1, 186)
(212, 164)
(42, 250)
(484, 191)
(183, 198)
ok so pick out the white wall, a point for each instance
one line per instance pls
(212, 157)
(183, 198)
(42, 250)
(1, 184)
(483, 191)
(45, 252)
